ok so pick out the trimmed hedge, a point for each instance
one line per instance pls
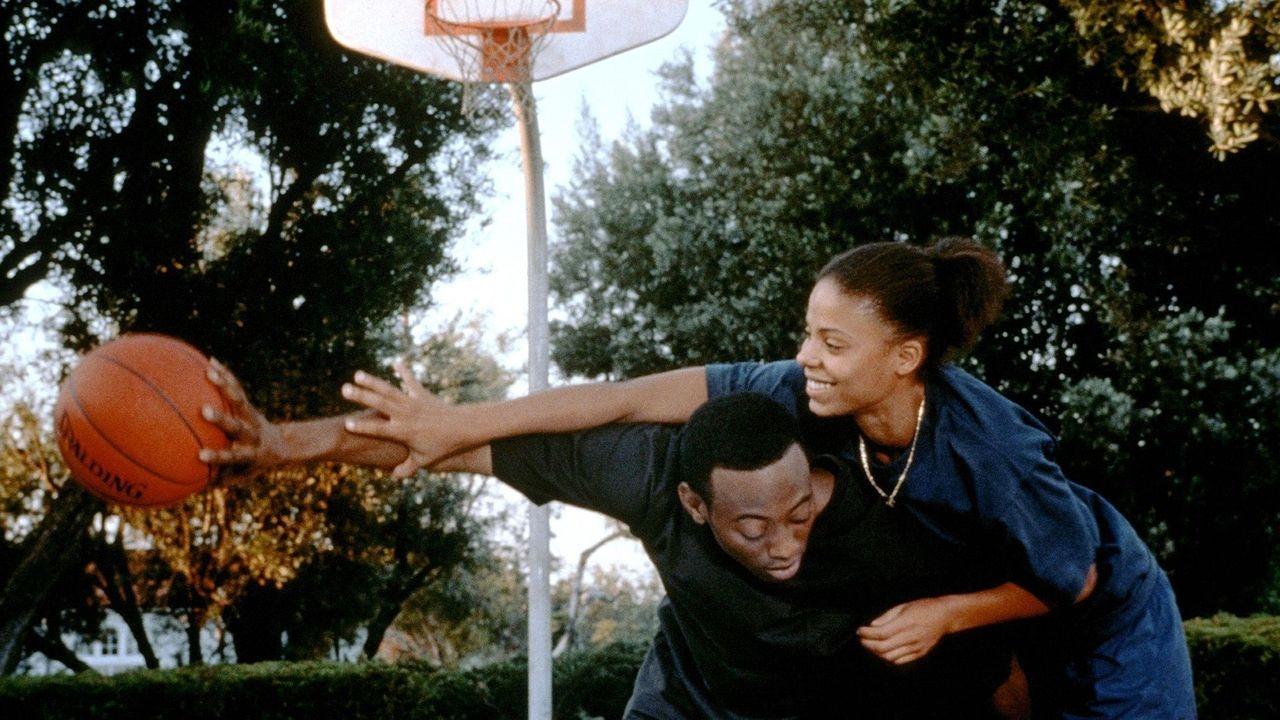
(1236, 662)
(595, 684)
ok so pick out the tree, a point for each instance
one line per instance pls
(121, 119)
(1206, 60)
(114, 578)
(827, 124)
(576, 601)
(427, 536)
(617, 608)
(390, 538)
(481, 616)
(476, 618)
(1180, 434)
(223, 541)
(29, 474)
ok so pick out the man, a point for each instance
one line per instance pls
(770, 565)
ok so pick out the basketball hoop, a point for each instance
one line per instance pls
(486, 44)
(494, 43)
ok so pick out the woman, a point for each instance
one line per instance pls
(871, 383)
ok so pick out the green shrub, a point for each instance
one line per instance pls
(594, 684)
(1236, 663)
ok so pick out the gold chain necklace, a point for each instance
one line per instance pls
(866, 465)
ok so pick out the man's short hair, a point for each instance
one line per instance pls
(743, 431)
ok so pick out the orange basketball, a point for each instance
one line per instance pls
(129, 422)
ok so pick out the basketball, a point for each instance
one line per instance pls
(129, 425)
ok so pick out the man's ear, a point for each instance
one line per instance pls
(693, 504)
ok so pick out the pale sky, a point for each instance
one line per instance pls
(493, 282)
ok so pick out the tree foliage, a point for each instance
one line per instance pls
(65, 600)
(615, 607)
(225, 172)
(1209, 60)
(827, 124)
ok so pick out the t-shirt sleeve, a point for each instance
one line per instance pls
(783, 381)
(1050, 535)
(615, 470)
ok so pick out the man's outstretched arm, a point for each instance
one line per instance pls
(258, 445)
(477, 462)
(606, 470)
(441, 430)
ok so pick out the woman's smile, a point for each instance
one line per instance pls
(814, 387)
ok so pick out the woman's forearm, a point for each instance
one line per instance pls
(996, 605)
(669, 397)
(1002, 604)
(326, 440)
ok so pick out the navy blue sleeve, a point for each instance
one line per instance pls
(782, 381)
(1052, 535)
(616, 470)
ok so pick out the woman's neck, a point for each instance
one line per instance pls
(892, 422)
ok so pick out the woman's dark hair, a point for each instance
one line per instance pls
(743, 431)
(948, 292)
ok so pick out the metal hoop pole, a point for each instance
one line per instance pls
(539, 364)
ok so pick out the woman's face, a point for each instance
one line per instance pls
(852, 357)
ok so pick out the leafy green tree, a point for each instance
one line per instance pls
(615, 607)
(29, 473)
(1207, 60)
(390, 538)
(827, 124)
(227, 173)
(479, 616)
(1180, 433)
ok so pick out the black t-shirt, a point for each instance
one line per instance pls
(775, 649)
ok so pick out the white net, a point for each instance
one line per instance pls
(494, 43)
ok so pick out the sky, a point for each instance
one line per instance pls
(492, 286)
(617, 90)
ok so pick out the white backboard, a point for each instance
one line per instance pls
(584, 31)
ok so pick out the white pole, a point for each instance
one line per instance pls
(539, 363)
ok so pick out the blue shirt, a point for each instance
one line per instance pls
(984, 476)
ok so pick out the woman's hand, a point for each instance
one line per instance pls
(907, 632)
(257, 445)
(410, 415)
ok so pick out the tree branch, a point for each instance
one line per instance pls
(575, 592)
(45, 560)
(54, 649)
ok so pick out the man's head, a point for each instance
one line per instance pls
(744, 475)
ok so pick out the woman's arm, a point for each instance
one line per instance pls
(432, 429)
(1004, 603)
(440, 430)
(908, 632)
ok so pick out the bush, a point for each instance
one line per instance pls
(595, 684)
(1237, 666)
(1236, 663)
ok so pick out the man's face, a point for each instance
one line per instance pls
(761, 518)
